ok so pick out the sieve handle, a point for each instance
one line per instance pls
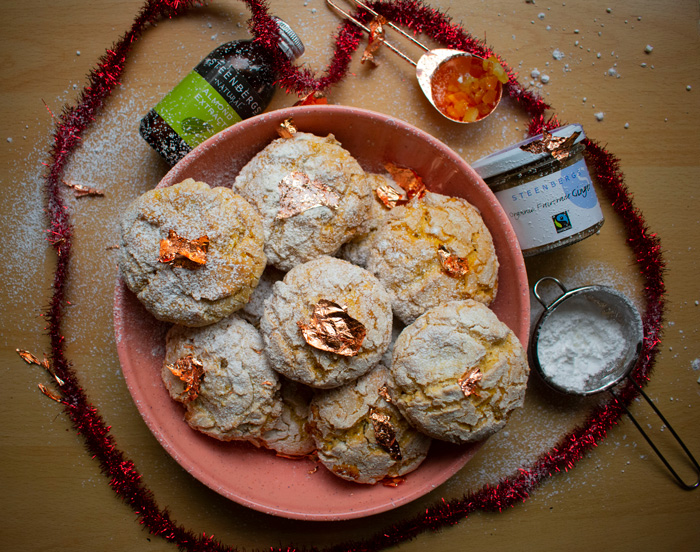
(537, 293)
(687, 486)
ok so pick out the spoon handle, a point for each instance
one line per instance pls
(390, 24)
(364, 28)
(691, 458)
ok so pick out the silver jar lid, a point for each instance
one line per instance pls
(514, 156)
(290, 43)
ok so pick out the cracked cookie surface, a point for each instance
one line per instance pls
(403, 254)
(288, 433)
(239, 392)
(235, 259)
(319, 230)
(349, 441)
(292, 303)
(458, 372)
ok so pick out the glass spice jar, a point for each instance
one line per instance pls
(550, 202)
(234, 82)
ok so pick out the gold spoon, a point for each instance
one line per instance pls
(456, 83)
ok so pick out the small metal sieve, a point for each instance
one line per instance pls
(610, 306)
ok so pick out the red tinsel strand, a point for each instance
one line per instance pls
(124, 477)
(296, 79)
(646, 247)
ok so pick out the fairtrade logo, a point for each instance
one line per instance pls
(562, 222)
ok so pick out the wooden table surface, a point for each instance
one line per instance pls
(619, 497)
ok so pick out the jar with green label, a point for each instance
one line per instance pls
(234, 82)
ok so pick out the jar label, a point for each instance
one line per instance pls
(232, 85)
(553, 207)
(195, 110)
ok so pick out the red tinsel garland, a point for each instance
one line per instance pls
(413, 14)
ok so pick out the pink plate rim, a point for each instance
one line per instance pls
(164, 417)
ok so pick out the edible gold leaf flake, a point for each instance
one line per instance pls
(183, 252)
(332, 329)
(558, 146)
(452, 264)
(408, 179)
(313, 98)
(389, 197)
(469, 382)
(393, 481)
(29, 358)
(79, 190)
(385, 434)
(286, 128)
(50, 394)
(190, 371)
(384, 393)
(298, 193)
(376, 39)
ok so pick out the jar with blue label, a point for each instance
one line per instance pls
(545, 188)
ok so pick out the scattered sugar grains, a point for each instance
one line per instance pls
(558, 54)
(112, 147)
(600, 116)
(648, 49)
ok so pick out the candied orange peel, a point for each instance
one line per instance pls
(468, 88)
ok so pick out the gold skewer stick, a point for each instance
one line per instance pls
(390, 24)
(367, 30)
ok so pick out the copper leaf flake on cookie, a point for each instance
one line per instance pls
(183, 252)
(385, 434)
(469, 382)
(298, 193)
(286, 128)
(451, 263)
(190, 371)
(332, 329)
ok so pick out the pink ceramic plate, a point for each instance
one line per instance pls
(255, 477)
